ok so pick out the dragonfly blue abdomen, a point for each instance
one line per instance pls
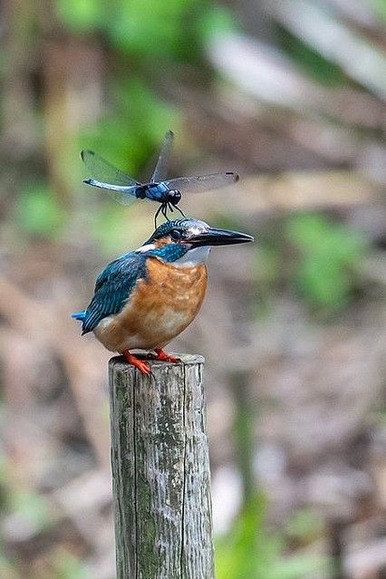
(157, 192)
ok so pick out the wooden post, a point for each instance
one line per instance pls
(160, 466)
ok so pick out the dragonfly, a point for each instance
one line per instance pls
(168, 192)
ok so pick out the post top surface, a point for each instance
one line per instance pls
(185, 360)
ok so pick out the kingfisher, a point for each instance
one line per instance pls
(147, 297)
(166, 191)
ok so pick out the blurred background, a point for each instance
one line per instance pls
(290, 94)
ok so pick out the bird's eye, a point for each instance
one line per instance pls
(175, 234)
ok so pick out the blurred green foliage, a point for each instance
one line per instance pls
(146, 39)
(30, 508)
(148, 35)
(66, 566)
(114, 227)
(251, 550)
(147, 28)
(327, 273)
(7, 570)
(379, 7)
(38, 211)
(33, 515)
(134, 129)
(304, 527)
(312, 62)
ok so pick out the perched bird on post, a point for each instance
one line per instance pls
(147, 297)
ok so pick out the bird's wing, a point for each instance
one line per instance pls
(160, 171)
(113, 288)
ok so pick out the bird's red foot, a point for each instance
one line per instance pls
(164, 357)
(142, 366)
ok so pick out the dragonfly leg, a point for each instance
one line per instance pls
(164, 210)
(157, 213)
(180, 210)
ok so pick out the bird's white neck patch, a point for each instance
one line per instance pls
(146, 248)
(193, 257)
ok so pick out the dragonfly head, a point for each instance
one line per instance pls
(174, 197)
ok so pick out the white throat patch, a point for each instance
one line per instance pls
(146, 248)
(193, 257)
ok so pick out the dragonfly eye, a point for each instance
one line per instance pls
(174, 196)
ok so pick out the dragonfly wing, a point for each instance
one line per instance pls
(202, 183)
(160, 171)
(102, 171)
(121, 193)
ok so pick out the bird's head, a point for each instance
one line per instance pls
(188, 241)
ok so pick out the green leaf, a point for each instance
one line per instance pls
(31, 508)
(251, 551)
(379, 8)
(149, 27)
(81, 15)
(7, 570)
(38, 211)
(246, 551)
(216, 20)
(134, 130)
(67, 566)
(329, 255)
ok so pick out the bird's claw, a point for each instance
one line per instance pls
(142, 365)
(164, 357)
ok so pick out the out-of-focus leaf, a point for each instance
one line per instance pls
(329, 258)
(31, 508)
(310, 61)
(148, 27)
(298, 567)
(143, 120)
(245, 551)
(67, 566)
(119, 228)
(251, 551)
(81, 15)
(38, 211)
(216, 20)
(323, 30)
(7, 571)
(305, 526)
(380, 8)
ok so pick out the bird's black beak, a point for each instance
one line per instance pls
(213, 236)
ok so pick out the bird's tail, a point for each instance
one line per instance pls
(79, 315)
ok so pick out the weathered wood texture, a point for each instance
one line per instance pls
(161, 477)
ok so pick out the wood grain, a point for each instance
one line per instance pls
(161, 476)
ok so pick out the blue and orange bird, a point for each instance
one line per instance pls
(167, 192)
(147, 297)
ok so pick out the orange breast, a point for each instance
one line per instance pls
(161, 307)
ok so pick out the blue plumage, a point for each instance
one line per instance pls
(113, 288)
(79, 315)
(166, 300)
(115, 283)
